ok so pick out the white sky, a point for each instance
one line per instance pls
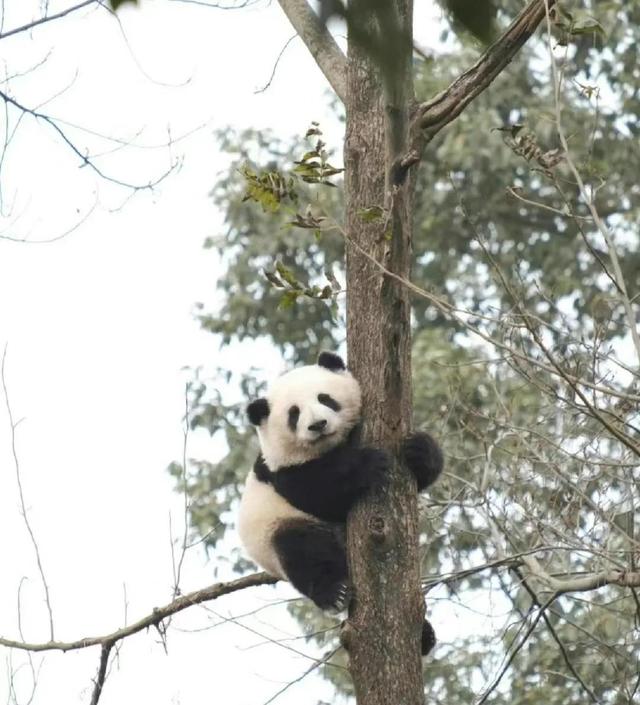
(99, 326)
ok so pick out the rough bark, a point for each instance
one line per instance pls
(383, 631)
(381, 145)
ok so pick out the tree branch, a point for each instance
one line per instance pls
(49, 18)
(154, 618)
(432, 115)
(102, 673)
(556, 637)
(586, 582)
(321, 45)
(86, 160)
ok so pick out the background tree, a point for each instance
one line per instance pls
(512, 241)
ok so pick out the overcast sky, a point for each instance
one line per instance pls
(99, 326)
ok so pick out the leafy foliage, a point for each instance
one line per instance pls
(474, 16)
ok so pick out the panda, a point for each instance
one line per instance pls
(310, 472)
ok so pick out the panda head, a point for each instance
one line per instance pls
(306, 412)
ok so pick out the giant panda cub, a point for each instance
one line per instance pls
(310, 472)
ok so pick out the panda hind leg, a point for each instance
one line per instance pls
(313, 557)
(423, 457)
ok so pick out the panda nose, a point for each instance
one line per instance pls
(318, 425)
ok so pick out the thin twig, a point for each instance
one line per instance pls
(309, 670)
(23, 506)
(514, 653)
(48, 18)
(275, 65)
(154, 618)
(86, 161)
(185, 496)
(555, 636)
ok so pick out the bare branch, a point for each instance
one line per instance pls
(153, 619)
(86, 161)
(275, 65)
(102, 673)
(454, 312)
(317, 664)
(437, 112)
(49, 18)
(321, 45)
(541, 610)
(583, 583)
(219, 6)
(177, 571)
(23, 506)
(556, 638)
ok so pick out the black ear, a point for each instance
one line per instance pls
(331, 361)
(258, 410)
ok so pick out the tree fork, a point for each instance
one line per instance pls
(385, 617)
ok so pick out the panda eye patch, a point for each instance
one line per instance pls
(329, 401)
(294, 415)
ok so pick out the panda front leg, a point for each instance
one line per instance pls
(422, 455)
(313, 557)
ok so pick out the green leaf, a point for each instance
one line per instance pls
(586, 25)
(115, 4)
(289, 299)
(273, 278)
(287, 275)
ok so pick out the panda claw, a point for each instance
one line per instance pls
(342, 598)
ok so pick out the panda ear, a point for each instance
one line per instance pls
(258, 411)
(331, 361)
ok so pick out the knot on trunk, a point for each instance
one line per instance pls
(378, 530)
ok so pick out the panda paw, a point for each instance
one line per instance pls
(374, 468)
(428, 640)
(422, 455)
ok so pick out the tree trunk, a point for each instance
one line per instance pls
(383, 632)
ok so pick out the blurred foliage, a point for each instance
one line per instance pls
(523, 469)
(474, 16)
(115, 4)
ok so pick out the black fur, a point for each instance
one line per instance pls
(293, 416)
(314, 558)
(327, 487)
(428, 640)
(331, 361)
(258, 410)
(422, 455)
(261, 470)
(329, 401)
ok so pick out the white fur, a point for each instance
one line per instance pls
(262, 510)
(280, 445)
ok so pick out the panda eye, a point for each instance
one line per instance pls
(329, 401)
(294, 415)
